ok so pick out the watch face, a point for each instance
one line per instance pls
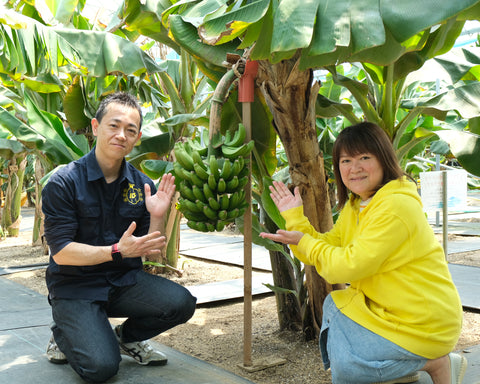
(116, 257)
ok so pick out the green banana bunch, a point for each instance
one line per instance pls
(212, 189)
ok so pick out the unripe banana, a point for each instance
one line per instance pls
(199, 204)
(191, 206)
(201, 173)
(221, 186)
(196, 180)
(212, 183)
(226, 169)
(213, 203)
(209, 212)
(184, 158)
(242, 182)
(220, 225)
(241, 196)
(181, 206)
(234, 213)
(198, 192)
(224, 201)
(241, 160)
(177, 169)
(186, 192)
(222, 215)
(241, 211)
(183, 174)
(232, 184)
(194, 216)
(234, 201)
(210, 227)
(197, 225)
(213, 165)
(244, 172)
(208, 193)
(228, 136)
(197, 159)
(236, 167)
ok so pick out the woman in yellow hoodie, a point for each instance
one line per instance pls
(401, 312)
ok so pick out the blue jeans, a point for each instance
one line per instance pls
(83, 332)
(358, 356)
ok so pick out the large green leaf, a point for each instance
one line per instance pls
(465, 146)
(156, 168)
(294, 23)
(112, 54)
(9, 148)
(406, 18)
(69, 47)
(27, 43)
(49, 126)
(329, 33)
(269, 206)
(457, 64)
(463, 99)
(160, 145)
(327, 108)
(212, 31)
(62, 10)
(54, 150)
(144, 17)
(209, 58)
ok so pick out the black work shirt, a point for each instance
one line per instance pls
(79, 206)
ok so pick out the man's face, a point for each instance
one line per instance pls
(118, 131)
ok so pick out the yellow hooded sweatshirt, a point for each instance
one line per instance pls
(400, 286)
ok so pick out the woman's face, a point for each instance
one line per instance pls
(361, 173)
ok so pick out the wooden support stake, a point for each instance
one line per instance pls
(246, 97)
(247, 246)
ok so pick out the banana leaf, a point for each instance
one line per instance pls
(465, 146)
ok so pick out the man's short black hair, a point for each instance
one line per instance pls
(122, 98)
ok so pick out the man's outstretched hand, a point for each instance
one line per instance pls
(159, 203)
(133, 246)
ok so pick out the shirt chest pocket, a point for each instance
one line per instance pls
(129, 213)
(89, 222)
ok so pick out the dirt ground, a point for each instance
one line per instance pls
(215, 333)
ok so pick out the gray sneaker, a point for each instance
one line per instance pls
(141, 351)
(54, 355)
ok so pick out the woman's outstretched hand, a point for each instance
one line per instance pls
(283, 198)
(282, 236)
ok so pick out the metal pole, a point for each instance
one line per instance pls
(437, 168)
(445, 212)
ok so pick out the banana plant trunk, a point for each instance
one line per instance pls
(11, 212)
(290, 95)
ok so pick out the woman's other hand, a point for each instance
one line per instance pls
(283, 198)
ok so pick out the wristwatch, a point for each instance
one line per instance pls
(116, 255)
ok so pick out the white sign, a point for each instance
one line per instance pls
(431, 190)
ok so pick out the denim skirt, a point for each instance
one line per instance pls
(356, 355)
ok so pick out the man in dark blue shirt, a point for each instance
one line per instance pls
(101, 216)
